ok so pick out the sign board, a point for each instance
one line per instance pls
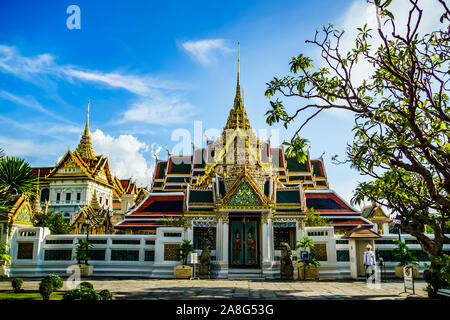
(408, 277)
(304, 255)
(194, 258)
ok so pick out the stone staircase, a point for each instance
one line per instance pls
(245, 274)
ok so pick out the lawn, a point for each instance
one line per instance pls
(28, 295)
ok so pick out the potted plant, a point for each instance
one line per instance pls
(183, 270)
(5, 259)
(307, 269)
(403, 255)
(81, 254)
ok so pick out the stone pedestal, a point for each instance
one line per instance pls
(183, 272)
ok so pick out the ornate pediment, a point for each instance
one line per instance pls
(245, 192)
(244, 197)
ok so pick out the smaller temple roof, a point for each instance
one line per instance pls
(288, 196)
(203, 196)
(361, 232)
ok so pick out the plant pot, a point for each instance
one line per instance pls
(399, 272)
(86, 270)
(308, 272)
(183, 272)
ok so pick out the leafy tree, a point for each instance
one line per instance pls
(55, 222)
(402, 254)
(4, 253)
(401, 115)
(186, 247)
(81, 251)
(313, 219)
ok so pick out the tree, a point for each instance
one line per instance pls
(55, 222)
(401, 114)
(313, 219)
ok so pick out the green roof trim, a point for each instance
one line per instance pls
(266, 188)
(201, 196)
(316, 169)
(288, 196)
(180, 168)
(293, 165)
(162, 170)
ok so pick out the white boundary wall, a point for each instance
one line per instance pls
(142, 263)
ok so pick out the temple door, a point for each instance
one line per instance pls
(244, 242)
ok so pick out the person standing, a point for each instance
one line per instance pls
(369, 260)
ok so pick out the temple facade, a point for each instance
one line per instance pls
(250, 196)
(80, 176)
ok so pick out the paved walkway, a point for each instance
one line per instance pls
(139, 289)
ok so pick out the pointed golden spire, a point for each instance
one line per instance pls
(94, 202)
(85, 148)
(36, 208)
(238, 116)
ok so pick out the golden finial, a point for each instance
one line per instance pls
(85, 148)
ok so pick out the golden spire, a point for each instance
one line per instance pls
(36, 208)
(85, 148)
(238, 116)
(94, 202)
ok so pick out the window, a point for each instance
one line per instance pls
(68, 196)
(284, 235)
(58, 196)
(124, 255)
(78, 196)
(45, 194)
(107, 202)
(100, 199)
(200, 236)
(25, 250)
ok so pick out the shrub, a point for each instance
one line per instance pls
(45, 289)
(84, 293)
(55, 280)
(106, 294)
(87, 285)
(17, 284)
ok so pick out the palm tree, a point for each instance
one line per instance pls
(16, 177)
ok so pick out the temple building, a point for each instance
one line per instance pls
(70, 186)
(251, 196)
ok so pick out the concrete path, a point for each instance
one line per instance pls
(140, 289)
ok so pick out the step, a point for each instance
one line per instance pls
(245, 274)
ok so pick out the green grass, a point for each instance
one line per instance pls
(28, 295)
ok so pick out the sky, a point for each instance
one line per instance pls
(154, 70)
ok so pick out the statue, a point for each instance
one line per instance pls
(204, 270)
(286, 268)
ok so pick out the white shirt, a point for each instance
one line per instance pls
(369, 258)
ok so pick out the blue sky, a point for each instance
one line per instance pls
(151, 67)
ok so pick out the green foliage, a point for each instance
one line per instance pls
(172, 222)
(403, 254)
(87, 285)
(16, 176)
(80, 252)
(17, 283)
(83, 293)
(440, 275)
(304, 244)
(56, 281)
(106, 294)
(4, 253)
(313, 219)
(401, 114)
(186, 247)
(55, 222)
(45, 289)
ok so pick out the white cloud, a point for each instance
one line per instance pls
(126, 155)
(204, 50)
(27, 148)
(161, 110)
(160, 104)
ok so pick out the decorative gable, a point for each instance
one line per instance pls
(244, 196)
